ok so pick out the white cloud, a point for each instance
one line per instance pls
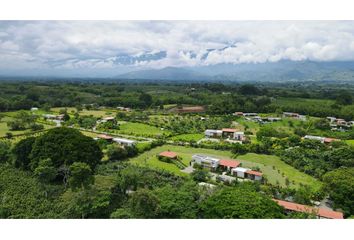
(95, 44)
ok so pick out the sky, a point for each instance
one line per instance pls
(114, 47)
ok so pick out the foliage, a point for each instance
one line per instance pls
(22, 151)
(5, 151)
(80, 176)
(340, 186)
(240, 202)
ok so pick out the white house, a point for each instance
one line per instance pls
(318, 138)
(205, 161)
(124, 142)
(34, 109)
(239, 172)
(212, 133)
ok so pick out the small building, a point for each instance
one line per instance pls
(34, 109)
(330, 140)
(246, 173)
(238, 114)
(250, 114)
(211, 133)
(294, 115)
(205, 161)
(228, 132)
(53, 117)
(239, 172)
(168, 154)
(317, 138)
(318, 212)
(124, 142)
(228, 164)
(254, 175)
(105, 137)
(273, 119)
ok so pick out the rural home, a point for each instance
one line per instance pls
(105, 137)
(294, 115)
(227, 164)
(168, 154)
(246, 173)
(205, 161)
(321, 139)
(319, 212)
(53, 117)
(233, 134)
(211, 133)
(34, 109)
(124, 142)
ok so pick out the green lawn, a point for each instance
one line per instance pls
(264, 162)
(84, 112)
(140, 129)
(188, 137)
(350, 142)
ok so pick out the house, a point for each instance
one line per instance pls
(124, 109)
(250, 114)
(124, 142)
(105, 137)
(233, 134)
(34, 109)
(107, 119)
(273, 119)
(168, 154)
(254, 175)
(238, 114)
(53, 117)
(246, 173)
(205, 161)
(239, 172)
(211, 133)
(321, 139)
(294, 115)
(228, 164)
(319, 212)
(317, 138)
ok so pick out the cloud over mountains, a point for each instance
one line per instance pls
(133, 45)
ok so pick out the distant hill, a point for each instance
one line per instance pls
(277, 71)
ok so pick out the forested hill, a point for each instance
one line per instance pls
(276, 71)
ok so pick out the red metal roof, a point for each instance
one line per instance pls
(229, 130)
(254, 173)
(104, 136)
(229, 163)
(168, 154)
(308, 209)
(329, 140)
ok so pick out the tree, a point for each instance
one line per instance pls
(45, 171)
(5, 152)
(200, 175)
(80, 176)
(22, 151)
(322, 124)
(340, 186)
(115, 152)
(240, 202)
(64, 146)
(144, 204)
(146, 99)
(178, 202)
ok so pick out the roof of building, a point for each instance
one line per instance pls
(229, 130)
(240, 169)
(104, 136)
(229, 163)
(254, 173)
(308, 209)
(108, 118)
(123, 140)
(329, 140)
(168, 154)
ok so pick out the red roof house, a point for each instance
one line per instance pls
(105, 137)
(168, 154)
(320, 212)
(229, 163)
(229, 130)
(255, 173)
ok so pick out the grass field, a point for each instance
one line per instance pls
(188, 137)
(84, 112)
(264, 162)
(350, 142)
(140, 129)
